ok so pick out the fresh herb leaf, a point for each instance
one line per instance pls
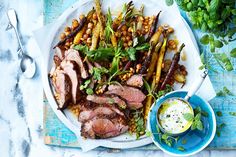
(218, 44)
(225, 91)
(233, 53)
(224, 61)
(204, 113)
(188, 116)
(101, 54)
(169, 2)
(89, 91)
(181, 148)
(184, 141)
(142, 47)
(85, 85)
(139, 124)
(205, 39)
(199, 125)
(232, 113)
(160, 93)
(148, 133)
(219, 114)
(98, 72)
(82, 48)
(219, 128)
(108, 29)
(131, 53)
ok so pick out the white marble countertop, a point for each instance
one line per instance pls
(21, 107)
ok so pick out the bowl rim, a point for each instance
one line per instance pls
(202, 147)
(186, 129)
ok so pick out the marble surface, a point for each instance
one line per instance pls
(21, 107)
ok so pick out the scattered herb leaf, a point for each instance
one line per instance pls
(232, 113)
(181, 148)
(219, 114)
(188, 116)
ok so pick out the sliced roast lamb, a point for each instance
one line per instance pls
(69, 68)
(63, 86)
(107, 100)
(73, 55)
(128, 93)
(102, 127)
(135, 81)
(89, 113)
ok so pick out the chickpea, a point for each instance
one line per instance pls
(90, 25)
(124, 33)
(145, 23)
(85, 36)
(89, 40)
(88, 31)
(125, 44)
(95, 17)
(130, 29)
(67, 33)
(124, 28)
(81, 16)
(62, 36)
(67, 29)
(123, 38)
(117, 34)
(170, 30)
(138, 67)
(146, 30)
(75, 23)
(130, 43)
(127, 38)
(172, 44)
(146, 27)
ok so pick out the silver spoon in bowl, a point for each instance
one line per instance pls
(27, 64)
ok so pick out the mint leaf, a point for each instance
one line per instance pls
(89, 91)
(233, 53)
(205, 39)
(181, 148)
(232, 113)
(188, 116)
(218, 44)
(219, 114)
(184, 141)
(169, 2)
(199, 125)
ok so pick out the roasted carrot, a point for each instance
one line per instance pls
(149, 100)
(160, 61)
(173, 65)
(154, 40)
(153, 62)
(95, 37)
(156, 36)
(153, 27)
(101, 19)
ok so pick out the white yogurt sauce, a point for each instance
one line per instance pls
(170, 116)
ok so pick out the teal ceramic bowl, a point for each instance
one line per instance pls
(192, 141)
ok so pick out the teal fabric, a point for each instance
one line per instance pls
(61, 136)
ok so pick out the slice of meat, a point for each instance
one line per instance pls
(62, 85)
(135, 81)
(69, 68)
(107, 100)
(130, 94)
(134, 105)
(101, 127)
(104, 110)
(73, 55)
(59, 53)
